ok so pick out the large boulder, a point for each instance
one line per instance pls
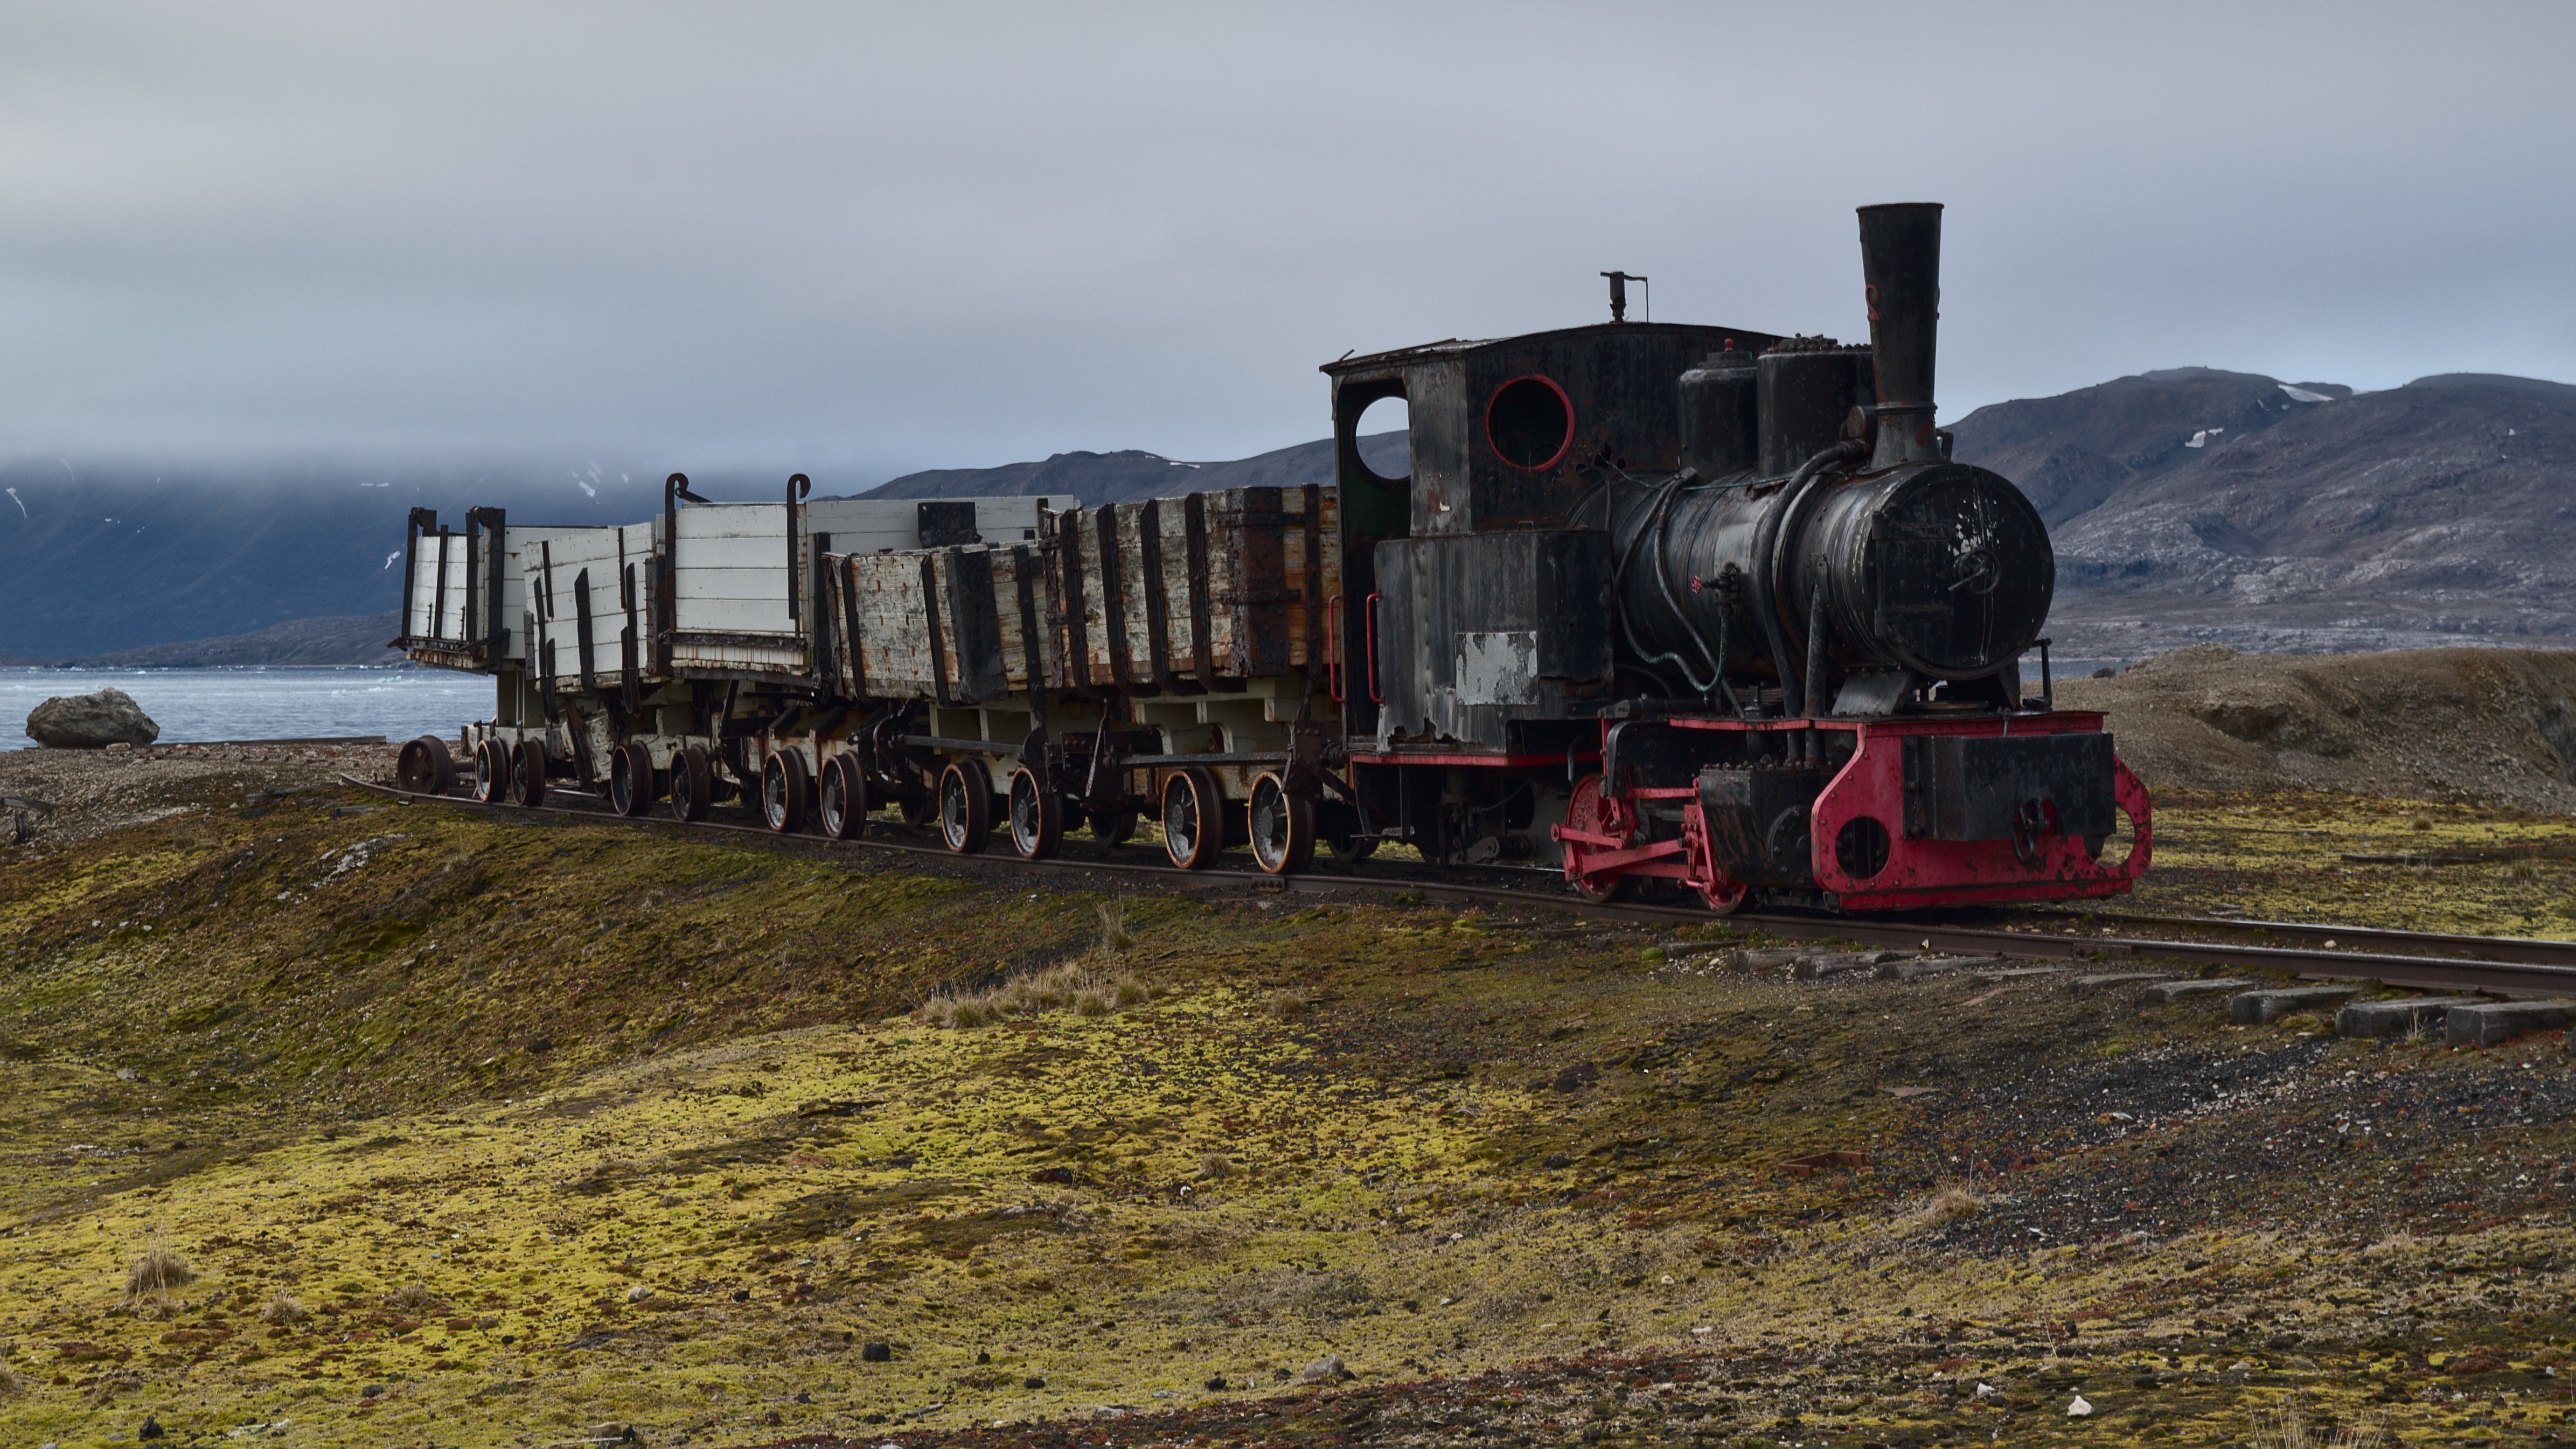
(91, 721)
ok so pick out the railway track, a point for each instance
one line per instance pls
(2499, 965)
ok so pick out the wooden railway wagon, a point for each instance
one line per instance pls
(615, 654)
(1170, 656)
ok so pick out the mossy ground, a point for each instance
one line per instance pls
(2285, 855)
(644, 1118)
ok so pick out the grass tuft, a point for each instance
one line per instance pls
(1947, 1205)
(417, 1300)
(150, 1279)
(1114, 935)
(285, 1307)
(2288, 1428)
(1215, 1166)
(1056, 988)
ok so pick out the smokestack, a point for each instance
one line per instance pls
(1900, 263)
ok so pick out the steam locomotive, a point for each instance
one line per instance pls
(1656, 606)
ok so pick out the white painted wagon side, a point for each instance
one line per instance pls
(607, 573)
(441, 572)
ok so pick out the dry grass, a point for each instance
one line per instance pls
(1946, 1205)
(416, 1300)
(1285, 1004)
(283, 1308)
(11, 1381)
(151, 1279)
(1215, 1165)
(1114, 935)
(2288, 1428)
(1056, 988)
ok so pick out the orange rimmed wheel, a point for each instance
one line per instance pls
(1193, 818)
(784, 788)
(966, 807)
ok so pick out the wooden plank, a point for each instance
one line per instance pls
(974, 635)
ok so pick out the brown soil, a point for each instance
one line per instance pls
(2496, 725)
(83, 794)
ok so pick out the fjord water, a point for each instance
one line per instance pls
(262, 704)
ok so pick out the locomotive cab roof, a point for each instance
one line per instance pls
(1502, 429)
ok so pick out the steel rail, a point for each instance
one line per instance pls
(2428, 972)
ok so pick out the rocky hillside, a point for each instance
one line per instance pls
(1096, 478)
(2202, 505)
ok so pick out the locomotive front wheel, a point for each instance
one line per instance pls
(1283, 828)
(966, 807)
(491, 773)
(425, 768)
(1726, 895)
(1113, 827)
(1193, 819)
(783, 788)
(630, 780)
(693, 785)
(1037, 818)
(528, 774)
(1596, 813)
(844, 806)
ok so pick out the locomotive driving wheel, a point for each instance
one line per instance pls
(1725, 895)
(1113, 827)
(1595, 812)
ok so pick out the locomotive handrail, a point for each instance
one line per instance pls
(1370, 622)
(1333, 648)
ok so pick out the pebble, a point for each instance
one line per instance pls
(874, 1352)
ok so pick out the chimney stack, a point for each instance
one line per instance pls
(1900, 263)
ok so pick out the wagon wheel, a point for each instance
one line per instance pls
(844, 811)
(528, 773)
(1350, 850)
(1282, 827)
(1193, 819)
(1037, 817)
(1113, 827)
(966, 807)
(630, 780)
(491, 772)
(784, 787)
(916, 806)
(1597, 813)
(425, 768)
(692, 784)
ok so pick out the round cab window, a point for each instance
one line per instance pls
(1529, 423)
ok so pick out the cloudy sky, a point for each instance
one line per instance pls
(867, 239)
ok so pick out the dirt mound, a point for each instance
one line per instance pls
(2490, 724)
